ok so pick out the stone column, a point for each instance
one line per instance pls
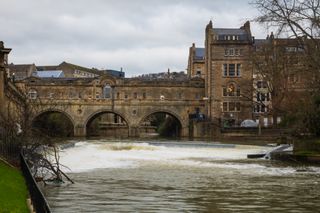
(134, 131)
(185, 131)
(80, 130)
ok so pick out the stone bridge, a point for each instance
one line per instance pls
(82, 100)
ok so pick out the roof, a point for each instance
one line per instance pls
(222, 32)
(43, 68)
(199, 53)
(50, 74)
(229, 31)
(21, 71)
(115, 73)
(258, 42)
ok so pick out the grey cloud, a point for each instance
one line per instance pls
(141, 36)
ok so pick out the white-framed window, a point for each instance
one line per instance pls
(232, 106)
(231, 70)
(238, 74)
(261, 108)
(232, 52)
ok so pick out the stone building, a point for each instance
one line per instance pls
(228, 74)
(11, 98)
(196, 62)
(21, 71)
(236, 86)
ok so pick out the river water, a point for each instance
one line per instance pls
(113, 176)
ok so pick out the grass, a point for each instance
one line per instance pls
(13, 190)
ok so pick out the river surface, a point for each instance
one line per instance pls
(112, 176)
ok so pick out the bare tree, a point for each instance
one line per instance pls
(298, 21)
(18, 133)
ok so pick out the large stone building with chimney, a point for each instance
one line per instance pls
(228, 74)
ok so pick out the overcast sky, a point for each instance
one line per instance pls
(142, 36)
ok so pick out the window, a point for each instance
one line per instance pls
(231, 90)
(32, 94)
(261, 108)
(231, 106)
(231, 70)
(238, 106)
(225, 70)
(231, 52)
(262, 84)
(118, 95)
(97, 95)
(236, 52)
(125, 96)
(225, 106)
(144, 95)
(199, 72)
(263, 96)
(238, 70)
(135, 95)
(107, 91)
(238, 91)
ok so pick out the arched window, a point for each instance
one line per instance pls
(32, 94)
(231, 90)
(107, 91)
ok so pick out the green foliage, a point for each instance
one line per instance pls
(304, 117)
(13, 190)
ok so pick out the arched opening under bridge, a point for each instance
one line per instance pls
(54, 124)
(160, 124)
(107, 124)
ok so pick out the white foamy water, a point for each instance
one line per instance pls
(181, 177)
(86, 156)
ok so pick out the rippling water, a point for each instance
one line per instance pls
(141, 177)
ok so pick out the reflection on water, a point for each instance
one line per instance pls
(139, 177)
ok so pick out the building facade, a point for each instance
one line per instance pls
(196, 62)
(228, 74)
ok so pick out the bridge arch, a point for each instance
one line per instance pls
(112, 121)
(145, 124)
(64, 125)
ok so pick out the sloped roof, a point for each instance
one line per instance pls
(199, 53)
(20, 67)
(222, 32)
(21, 71)
(50, 74)
(44, 68)
(229, 31)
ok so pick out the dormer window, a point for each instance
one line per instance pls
(231, 37)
